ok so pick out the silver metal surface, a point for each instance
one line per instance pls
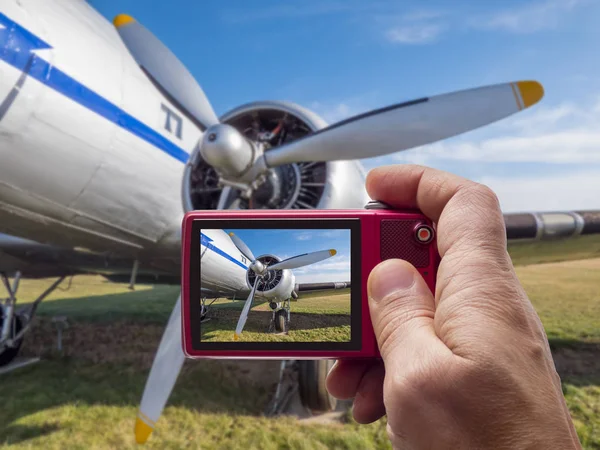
(224, 148)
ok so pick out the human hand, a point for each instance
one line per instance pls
(471, 366)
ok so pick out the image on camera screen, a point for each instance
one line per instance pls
(275, 285)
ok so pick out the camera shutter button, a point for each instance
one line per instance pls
(375, 204)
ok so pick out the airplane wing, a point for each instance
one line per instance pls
(311, 287)
(34, 259)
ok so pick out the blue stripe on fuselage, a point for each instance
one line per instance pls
(207, 242)
(16, 47)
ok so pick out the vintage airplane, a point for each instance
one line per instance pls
(228, 267)
(106, 140)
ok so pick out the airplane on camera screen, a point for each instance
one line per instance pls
(106, 140)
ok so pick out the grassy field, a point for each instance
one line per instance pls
(317, 317)
(578, 248)
(87, 397)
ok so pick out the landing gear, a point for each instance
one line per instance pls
(10, 352)
(281, 321)
(313, 390)
(281, 316)
(14, 324)
(205, 309)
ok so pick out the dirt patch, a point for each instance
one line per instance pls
(133, 344)
(259, 320)
(578, 361)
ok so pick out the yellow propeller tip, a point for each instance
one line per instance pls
(531, 92)
(236, 337)
(122, 19)
(332, 252)
(142, 431)
(231, 233)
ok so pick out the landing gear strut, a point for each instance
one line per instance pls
(281, 316)
(204, 309)
(15, 323)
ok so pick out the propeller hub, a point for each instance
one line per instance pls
(224, 148)
(257, 267)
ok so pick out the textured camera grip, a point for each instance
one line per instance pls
(398, 241)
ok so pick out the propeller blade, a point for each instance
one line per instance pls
(242, 247)
(408, 125)
(166, 70)
(303, 260)
(163, 375)
(244, 315)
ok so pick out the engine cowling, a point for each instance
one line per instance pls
(304, 185)
(277, 285)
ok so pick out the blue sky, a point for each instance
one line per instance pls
(288, 243)
(341, 58)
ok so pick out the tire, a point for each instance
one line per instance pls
(281, 321)
(10, 353)
(313, 390)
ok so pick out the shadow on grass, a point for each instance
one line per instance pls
(258, 321)
(149, 305)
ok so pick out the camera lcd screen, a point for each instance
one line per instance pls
(280, 284)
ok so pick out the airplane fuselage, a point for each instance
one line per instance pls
(88, 145)
(222, 266)
(92, 154)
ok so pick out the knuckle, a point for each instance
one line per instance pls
(483, 195)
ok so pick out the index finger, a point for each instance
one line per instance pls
(467, 213)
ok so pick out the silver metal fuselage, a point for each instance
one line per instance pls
(91, 153)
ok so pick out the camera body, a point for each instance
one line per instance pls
(292, 284)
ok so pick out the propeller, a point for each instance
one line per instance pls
(166, 70)
(303, 260)
(244, 315)
(163, 375)
(408, 125)
(261, 270)
(241, 163)
(242, 247)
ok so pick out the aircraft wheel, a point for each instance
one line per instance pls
(313, 391)
(281, 321)
(10, 353)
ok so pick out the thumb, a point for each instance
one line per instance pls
(402, 309)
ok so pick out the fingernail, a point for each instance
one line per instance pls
(390, 276)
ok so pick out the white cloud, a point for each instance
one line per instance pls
(332, 233)
(572, 191)
(414, 34)
(562, 134)
(336, 268)
(528, 18)
(566, 136)
(424, 27)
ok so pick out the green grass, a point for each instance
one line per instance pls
(88, 398)
(320, 317)
(578, 248)
(93, 298)
(567, 298)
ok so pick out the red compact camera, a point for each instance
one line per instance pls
(292, 284)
